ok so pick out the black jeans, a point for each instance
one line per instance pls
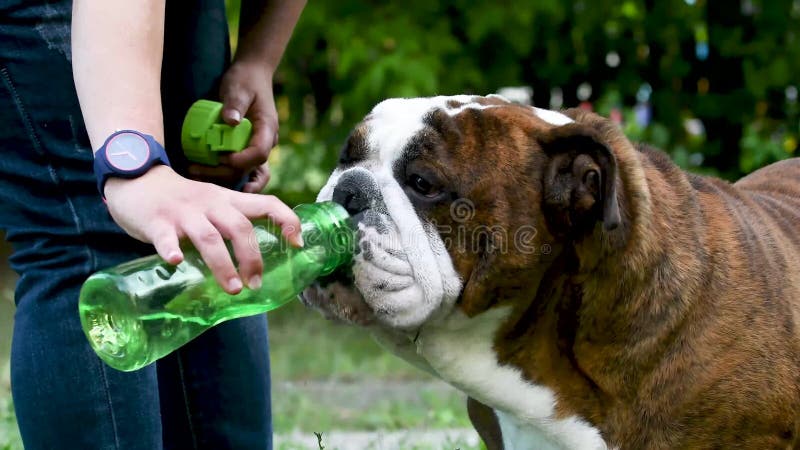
(214, 392)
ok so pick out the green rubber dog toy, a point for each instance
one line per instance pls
(204, 134)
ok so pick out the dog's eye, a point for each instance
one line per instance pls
(421, 185)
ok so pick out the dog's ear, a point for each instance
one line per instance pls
(579, 181)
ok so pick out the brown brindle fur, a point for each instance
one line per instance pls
(676, 329)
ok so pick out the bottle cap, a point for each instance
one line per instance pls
(204, 134)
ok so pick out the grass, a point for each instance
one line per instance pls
(328, 376)
(331, 377)
(9, 435)
(305, 346)
(372, 409)
(322, 442)
(453, 444)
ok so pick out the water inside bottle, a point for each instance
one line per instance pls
(174, 304)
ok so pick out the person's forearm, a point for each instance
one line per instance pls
(265, 29)
(117, 48)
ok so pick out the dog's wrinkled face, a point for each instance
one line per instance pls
(446, 193)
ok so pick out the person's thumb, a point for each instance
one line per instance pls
(235, 103)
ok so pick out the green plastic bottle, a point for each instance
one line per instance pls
(142, 310)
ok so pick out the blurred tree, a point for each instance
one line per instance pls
(713, 83)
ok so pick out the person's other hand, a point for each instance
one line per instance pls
(162, 207)
(246, 91)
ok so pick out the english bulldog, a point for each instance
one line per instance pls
(582, 290)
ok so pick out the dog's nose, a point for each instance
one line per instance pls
(355, 190)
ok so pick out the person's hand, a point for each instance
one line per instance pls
(162, 207)
(246, 91)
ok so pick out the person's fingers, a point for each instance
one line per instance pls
(208, 241)
(237, 228)
(224, 173)
(261, 142)
(248, 158)
(258, 179)
(165, 240)
(236, 102)
(256, 205)
(265, 127)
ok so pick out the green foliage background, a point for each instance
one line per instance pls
(347, 55)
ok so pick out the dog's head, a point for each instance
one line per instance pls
(460, 202)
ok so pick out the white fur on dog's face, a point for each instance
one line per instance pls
(403, 273)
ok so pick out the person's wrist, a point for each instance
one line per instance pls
(115, 185)
(256, 59)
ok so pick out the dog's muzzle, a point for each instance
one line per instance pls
(335, 295)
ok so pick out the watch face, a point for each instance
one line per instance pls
(127, 151)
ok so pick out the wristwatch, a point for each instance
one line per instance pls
(127, 154)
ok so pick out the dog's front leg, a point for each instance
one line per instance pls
(485, 422)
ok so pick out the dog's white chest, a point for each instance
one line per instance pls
(459, 350)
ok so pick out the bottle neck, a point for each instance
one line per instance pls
(328, 226)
